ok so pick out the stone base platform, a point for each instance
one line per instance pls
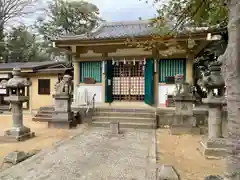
(181, 129)
(19, 134)
(62, 124)
(212, 148)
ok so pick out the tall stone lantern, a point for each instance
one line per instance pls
(16, 87)
(214, 144)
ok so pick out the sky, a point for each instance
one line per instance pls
(124, 10)
(110, 10)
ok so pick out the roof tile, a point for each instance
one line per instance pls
(126, 29)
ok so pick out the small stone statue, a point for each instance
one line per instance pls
(181, 87)
(3, 84)
(64, 87)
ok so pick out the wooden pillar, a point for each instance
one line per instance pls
(104, 57)
(189, 67)
(76, 72)
(76, 67)
(155, 79)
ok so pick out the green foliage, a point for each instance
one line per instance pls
(176, 14)
(68, 17)
(22, 45)
(12, 10)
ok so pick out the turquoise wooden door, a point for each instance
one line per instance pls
(108, 69)
(148, 78)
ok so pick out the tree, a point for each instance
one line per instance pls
(214, 12)
(10, 9)
(191, 12)
(22, 45)
(66, 18)
(231, 60)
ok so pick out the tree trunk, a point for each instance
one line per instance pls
(232, 81)
(2, 44)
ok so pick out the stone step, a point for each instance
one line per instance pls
(125, 114)
(45, 112)
(42, 119)
(123, 119)
(125, 125)
(124, 110)
(4, 108)
(47, 108)
(43, 115)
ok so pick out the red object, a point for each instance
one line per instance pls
(166, 102)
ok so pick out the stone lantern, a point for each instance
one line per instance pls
(16, 87)
(214, 144)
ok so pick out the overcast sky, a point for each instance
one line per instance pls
(110, 10)
(123, 10)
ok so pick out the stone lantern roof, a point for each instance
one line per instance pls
(17, 81)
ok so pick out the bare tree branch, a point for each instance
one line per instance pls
(10, 9)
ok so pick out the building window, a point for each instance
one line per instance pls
(169, 68)
(91, 70)
(44, 86)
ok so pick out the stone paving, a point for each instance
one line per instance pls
(95, 154)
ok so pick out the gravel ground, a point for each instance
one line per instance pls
(45, 137)
(181, 152)
(95, 154)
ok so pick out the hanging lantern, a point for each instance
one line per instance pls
(191, 43)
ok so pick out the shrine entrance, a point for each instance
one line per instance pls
(128, 81)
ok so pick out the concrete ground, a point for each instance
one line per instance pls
(45, 137)
(94, 154)
(181, 151)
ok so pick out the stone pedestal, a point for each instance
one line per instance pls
(214, 144)
(214, 147)
(18, 130)
(62, 116)
(184, 120)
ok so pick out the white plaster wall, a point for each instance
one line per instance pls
(163, 91)
(84, 93)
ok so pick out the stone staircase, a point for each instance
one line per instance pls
(4, 108)
(128, 118)
(44, 114)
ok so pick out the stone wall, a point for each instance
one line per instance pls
(165, 117)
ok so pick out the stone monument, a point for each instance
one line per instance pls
(184, 121)
(115, 127)
(63, 116)
(16, 87)
(214, 144)
(167, 172)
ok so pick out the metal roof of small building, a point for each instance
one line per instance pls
(28, 65)
(126, 29)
